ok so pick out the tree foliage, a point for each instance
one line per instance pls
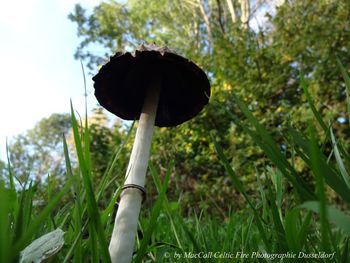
(105, 137)
(261, 63)
(39, 151)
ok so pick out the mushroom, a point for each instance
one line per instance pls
(157, 87)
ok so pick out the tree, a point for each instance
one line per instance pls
(3, 171)
(39, 151)
(310, 35)
(105, 138)
(261, 65)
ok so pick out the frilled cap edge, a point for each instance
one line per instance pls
(121, 84)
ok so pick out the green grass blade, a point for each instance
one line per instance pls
(302, 235)
(237, 183)
(154, 215)
(264, 140)
(37, 223)
(345, 175)
(196, 247)
(262, 195)
(77, 212)
(13, 207)
(25, 212)
(93, 244)
(74, 244)
(331, 176)
(156, 179)
(5, 235)
(201, 237)
(279, 229)
(276, 178)
(270, 143)
(291, 230)
(10, 174)
(312, 105)
(87, 157)
(344, 73)
(345, 257)
(336, 216)
(109, 209)
(347, 84)
(248, 233)
(167, 206)
(112, 162)
(316, 160)
(85, 92)
(92, 207)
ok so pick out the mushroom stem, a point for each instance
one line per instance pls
(122, 242)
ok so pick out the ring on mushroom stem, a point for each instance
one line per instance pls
(141, 188)
(159, 88)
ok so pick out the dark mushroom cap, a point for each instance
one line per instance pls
(121, 85)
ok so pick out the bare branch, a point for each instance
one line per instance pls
(245, 12)
(206, 20)
(232, 11)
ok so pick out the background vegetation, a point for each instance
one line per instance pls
(271, 146)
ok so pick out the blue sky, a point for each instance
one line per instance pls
(38, 73)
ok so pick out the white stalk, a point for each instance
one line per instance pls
(122, 242)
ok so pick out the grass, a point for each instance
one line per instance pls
(291, 216)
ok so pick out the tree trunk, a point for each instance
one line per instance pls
(206, 20)
(245, 12)
(232, 11)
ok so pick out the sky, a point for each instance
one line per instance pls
(38, 73)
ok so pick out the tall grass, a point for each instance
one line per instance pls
(310, 224)
(290, 216)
